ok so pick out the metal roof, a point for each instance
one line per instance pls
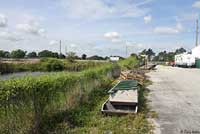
(124, 85)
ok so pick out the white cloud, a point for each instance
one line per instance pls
(169, 30)
(31, 26)
(3, 20)
(187, 17)
(72, 45)
(166, 30)
(147, 19)
(98, 9)
(10, 36)
(196, 4)
(179, 27)
(113, 36)
(53, 42)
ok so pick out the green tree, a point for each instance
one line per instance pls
(46, 53)
(165, 56)
(96, 57)
(2, 54)
(18, 53)
(149, 53)
(62, 56)
(180, 51)
(83, 57)
(7, 54)
(32, 55)
(143, 52)
(162, 56)
(171, 56)
(71, 56)
(56, 55)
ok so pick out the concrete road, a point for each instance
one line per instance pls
(175, 96)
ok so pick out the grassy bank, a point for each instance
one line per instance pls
(88, 118)
(48, 65)
(130, 63)
(65, 103)
(25, 103)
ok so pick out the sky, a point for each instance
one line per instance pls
(98, 27)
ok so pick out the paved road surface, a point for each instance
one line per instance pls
(175, 96)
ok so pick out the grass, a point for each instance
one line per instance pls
(49, 65)
(35, 99)
(68, 103)
(88, 119)
(130, 63)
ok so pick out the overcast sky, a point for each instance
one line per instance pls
(100, 27)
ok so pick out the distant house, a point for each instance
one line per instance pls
(114, 58)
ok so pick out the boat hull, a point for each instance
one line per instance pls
(110, 108)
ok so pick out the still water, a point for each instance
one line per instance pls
(20, 74)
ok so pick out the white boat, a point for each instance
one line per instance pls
(123, 98)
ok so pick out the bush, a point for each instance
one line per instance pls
(29, 102)
(129, 63)
(52, 65)
(49, 65)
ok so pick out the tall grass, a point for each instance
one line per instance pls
(67, 103)
(129, 63)
(48, 65)
(88, 119)
(26, 103)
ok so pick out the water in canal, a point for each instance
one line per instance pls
(20, 74)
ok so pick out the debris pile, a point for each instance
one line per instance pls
(149, 66)
(138, 75)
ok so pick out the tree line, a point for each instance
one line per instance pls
(18, 54)
(152, 56)
(163, 55)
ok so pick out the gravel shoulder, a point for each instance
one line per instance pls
(175, 96)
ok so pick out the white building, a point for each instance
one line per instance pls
(184, 59)
(114, 58)
(196, 52)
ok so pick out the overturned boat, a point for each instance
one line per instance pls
(123, 98)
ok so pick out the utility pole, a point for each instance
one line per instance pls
(60, 48)
(197, 32)
(65, 49)
(126, 49)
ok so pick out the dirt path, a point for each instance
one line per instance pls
(175, 96)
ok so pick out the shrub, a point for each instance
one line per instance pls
(34, 99)
(52, 65)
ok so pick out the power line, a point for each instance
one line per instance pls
(197, 32)
(60, 48)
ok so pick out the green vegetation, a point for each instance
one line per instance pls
(29, 101)
(84, 56)
(68, 103)
(4, 54)
(47, 53)
(150, 53)
(130, 63)
(88, 119)
(48, 65)
(32, 55)
(18, 53)
(168, 56)
(163, 56)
